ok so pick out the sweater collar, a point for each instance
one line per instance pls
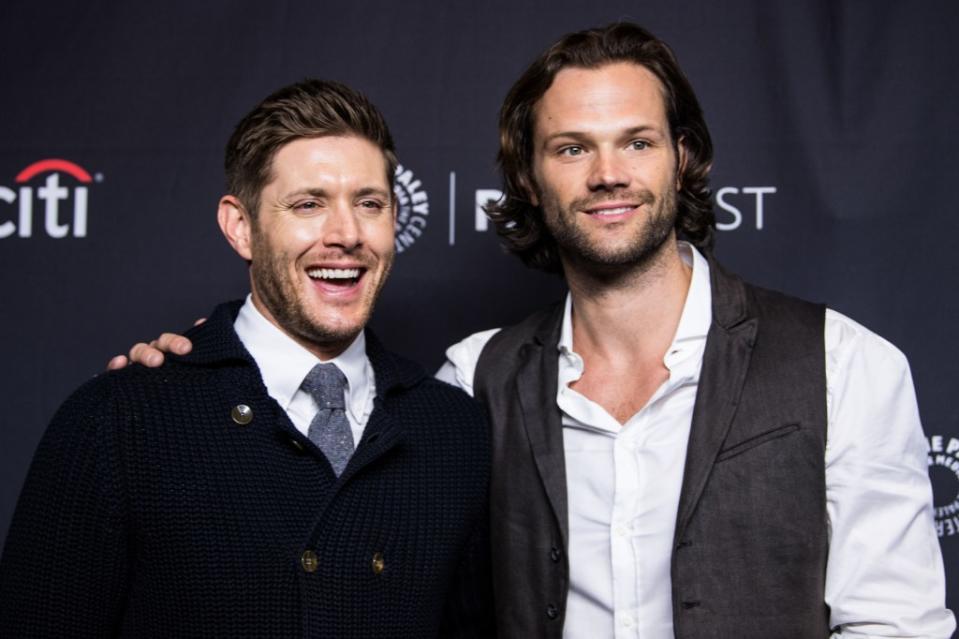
(215, 343)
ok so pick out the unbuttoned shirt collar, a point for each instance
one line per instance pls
(284, 364)
(683, 358)
(624, 481)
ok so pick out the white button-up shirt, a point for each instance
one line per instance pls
(884, 575)
(284, 365)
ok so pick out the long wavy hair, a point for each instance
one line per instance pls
(518, 222)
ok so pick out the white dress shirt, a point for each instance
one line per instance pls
(884, 576)
(284, 365)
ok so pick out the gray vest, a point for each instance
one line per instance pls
(750, 548)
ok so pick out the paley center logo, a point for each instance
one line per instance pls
(413, 208)
(944, 473)
(738, 206)
(51, 194)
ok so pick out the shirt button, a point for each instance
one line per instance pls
(552, 611)
(378, 563)
(628, 621)
(309, 561)
(242, 414)
(621, 530)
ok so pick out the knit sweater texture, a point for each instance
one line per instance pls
(149, 511)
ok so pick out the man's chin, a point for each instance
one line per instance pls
(327, 332)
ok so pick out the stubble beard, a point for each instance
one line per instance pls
(280, 295)
(635, 257)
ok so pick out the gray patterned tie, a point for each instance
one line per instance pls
(330, 430)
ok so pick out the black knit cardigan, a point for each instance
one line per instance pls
(151, 510)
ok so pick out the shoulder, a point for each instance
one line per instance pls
(442, 394)
(404, 384)
(436, 394)
(769, 303)
(461, 359)
(91, 402)
(853, 348)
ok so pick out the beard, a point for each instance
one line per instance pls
(286, 302)
(636, 253)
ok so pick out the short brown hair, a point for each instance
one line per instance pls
(308, 109)
(518, 222)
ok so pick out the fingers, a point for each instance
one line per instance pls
(117, 363)
(151, 355)
(172, 343)
(146, 354)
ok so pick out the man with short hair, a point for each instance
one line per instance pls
(677, 453)
(289, 477)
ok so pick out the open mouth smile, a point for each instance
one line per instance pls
(336, 279)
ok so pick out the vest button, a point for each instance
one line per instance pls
(309, 561)
(555, 554)
(552, 611)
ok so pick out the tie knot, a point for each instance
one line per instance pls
(326, 383)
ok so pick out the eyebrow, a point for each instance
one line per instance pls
(580, 135)
(362, 192)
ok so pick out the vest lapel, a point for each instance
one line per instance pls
(536, 383)
(729, 346)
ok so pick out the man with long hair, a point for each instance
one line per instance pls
(677, 453)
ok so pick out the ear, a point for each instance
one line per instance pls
(236, 225)
(681, 157)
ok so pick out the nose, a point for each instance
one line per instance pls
(609, 171)
(341, 228)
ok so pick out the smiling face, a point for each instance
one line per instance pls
(321, 245)
(605, 166)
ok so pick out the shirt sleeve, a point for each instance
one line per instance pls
(461, 358)
(884, 577)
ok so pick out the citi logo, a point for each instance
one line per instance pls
(50, 194)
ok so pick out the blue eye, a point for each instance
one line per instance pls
(571, 150)
(639, 145)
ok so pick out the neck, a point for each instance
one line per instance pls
(632, 314)
(324, 351)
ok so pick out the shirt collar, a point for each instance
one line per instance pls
(284, 364)
(694, 322)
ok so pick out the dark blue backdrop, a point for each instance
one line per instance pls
(836, 117)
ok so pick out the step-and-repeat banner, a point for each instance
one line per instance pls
(837, 158)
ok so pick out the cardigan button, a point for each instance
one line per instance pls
(242, 414)
(378, 563)
(309, 561)
(552, 611)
